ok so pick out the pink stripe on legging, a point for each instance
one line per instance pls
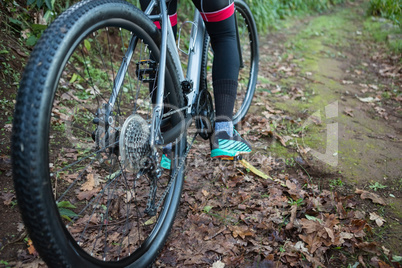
(219, 15)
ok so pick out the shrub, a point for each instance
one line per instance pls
(390, 9)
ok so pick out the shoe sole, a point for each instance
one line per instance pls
(224, 154)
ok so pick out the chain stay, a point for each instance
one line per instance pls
(172, 178)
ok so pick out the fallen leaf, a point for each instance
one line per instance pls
(8, 127)
(378, 219)
(312, 240)
(218, 264)
(345, 235)
(347, 82)
(372, 196)
(151, 221)
(349, 112)
(7, 197)
(267, 114)
(205, 192)
(129, 195)
(314, 260)
(293, 212)
(214, 232)
(368, 99)
(26, 33)
(281, 139)
(303, 150)
(241, 231)
(310, 226)
(360, 258)
(93, 90)
(381, 111)
(357, 227)
(88, 194)
(20, 226)
(383, 264)
(91, 183)
(300, 247)
(330, 233)
(368, 246)
(386, 251)
(285, 69)
(360, 214)
(254, 170)
(31, 248)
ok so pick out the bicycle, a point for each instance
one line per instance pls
(102, 93)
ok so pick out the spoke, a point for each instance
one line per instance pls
(84, 79)
(75, 181)
(106, 219)
(84, 158)
(100, 53)
(119, 79)
(91, 84)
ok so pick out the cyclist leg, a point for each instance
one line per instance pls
(220, 22)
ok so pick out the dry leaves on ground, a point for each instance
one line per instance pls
(241, 219)
(372, 196)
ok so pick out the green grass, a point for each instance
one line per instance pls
(384, 32)
(390, 9)
(335, 182)
(377, 186)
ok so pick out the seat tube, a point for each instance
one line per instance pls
(156, 135)
(198, 32)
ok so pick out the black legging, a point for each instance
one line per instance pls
(220, 23)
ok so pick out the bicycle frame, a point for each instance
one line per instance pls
(193, 70)
(197, 36)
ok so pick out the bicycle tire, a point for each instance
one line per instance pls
(49, 149)
(248, 38)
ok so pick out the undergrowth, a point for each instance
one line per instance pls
(31, 19)
(390, 9)
(267, 13)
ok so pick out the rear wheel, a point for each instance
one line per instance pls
(86, 178)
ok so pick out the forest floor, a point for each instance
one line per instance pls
(325, 124)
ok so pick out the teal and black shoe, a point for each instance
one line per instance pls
(225, 146)
(166, 161)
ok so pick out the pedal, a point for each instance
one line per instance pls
(146, 70)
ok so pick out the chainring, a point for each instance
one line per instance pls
(204, 115)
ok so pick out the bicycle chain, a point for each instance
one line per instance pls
(179, 167)
(174, 176)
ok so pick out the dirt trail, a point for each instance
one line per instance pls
(330, 71)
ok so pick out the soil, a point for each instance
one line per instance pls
(337, 64)
(305, 67)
